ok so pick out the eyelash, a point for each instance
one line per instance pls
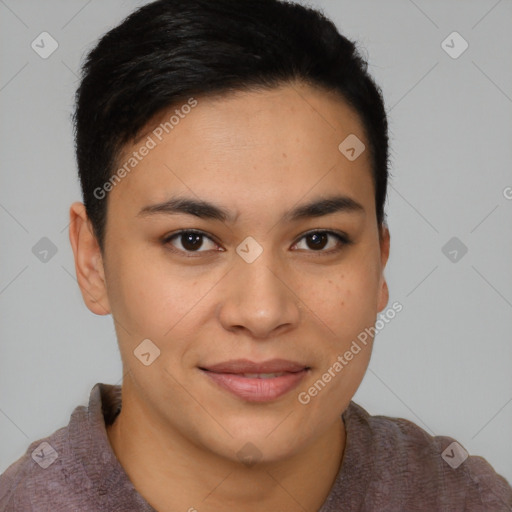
(342, 239)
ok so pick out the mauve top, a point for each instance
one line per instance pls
(389, 464)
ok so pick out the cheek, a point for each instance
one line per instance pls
(346, 304)
(347, 301)
(141, 298)
(156, 301)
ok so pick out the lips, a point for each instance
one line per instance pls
(238, 366)
(257, 382)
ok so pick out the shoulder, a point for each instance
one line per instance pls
(74, 468)
(43, 472)
(409, 461)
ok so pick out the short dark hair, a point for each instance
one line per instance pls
(170, 50)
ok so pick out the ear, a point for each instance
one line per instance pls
(384, 255)
(88, 261)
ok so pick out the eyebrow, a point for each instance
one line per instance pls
(206, 210)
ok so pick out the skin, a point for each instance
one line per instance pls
(257, 154)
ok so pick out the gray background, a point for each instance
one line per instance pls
(444, 362)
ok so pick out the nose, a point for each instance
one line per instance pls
(258, 299)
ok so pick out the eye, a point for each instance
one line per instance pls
(190, 240)
(317, 241)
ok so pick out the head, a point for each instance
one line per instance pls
(233, 160)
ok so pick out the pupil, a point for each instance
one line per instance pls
(319, 240)
(191, 241)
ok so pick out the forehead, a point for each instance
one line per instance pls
(261, 148)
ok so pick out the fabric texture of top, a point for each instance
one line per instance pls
(389, 465)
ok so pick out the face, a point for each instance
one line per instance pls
(222, 250)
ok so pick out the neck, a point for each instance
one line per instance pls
(173, 474)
